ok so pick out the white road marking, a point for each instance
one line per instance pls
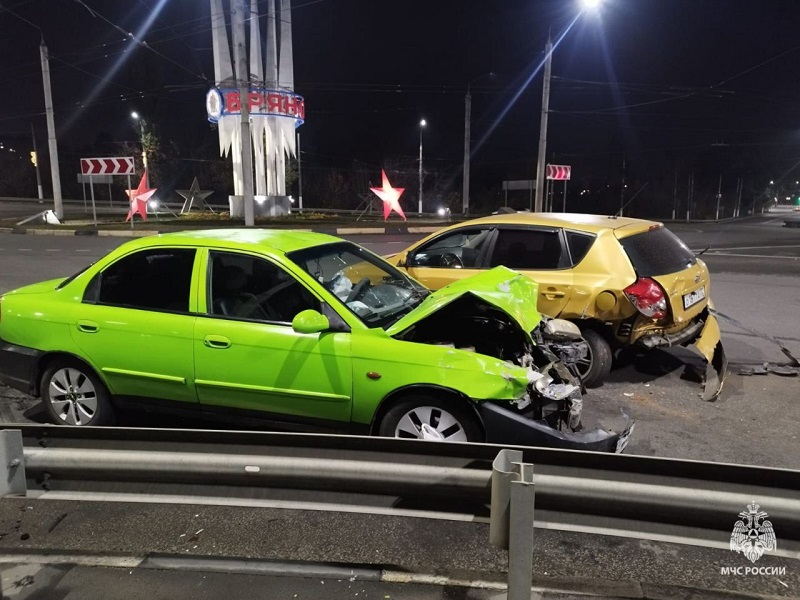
(778, 246)
(53, 250)
(26, 249)
(752, 255)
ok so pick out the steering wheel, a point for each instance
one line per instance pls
(358, 290)
(451, 260)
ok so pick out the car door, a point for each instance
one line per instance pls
(539, 253)
(136, 325)
(454, 255)
(248, 357)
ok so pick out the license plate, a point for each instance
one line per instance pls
(694, 297)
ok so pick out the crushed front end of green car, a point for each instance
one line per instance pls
(297, 329)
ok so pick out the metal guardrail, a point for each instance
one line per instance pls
(633, 496)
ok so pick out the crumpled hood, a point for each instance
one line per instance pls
(511, 292)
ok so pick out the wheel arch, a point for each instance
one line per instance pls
(47, 359)
(446, 394)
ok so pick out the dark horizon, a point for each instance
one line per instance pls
(667, 89)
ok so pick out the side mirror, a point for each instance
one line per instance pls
(310, 321)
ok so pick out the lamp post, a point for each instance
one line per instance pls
(422, 125)
(591, 5)
(136, 117)
(467, 137)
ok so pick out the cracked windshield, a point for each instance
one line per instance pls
(414, 299)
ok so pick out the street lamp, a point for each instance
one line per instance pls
(422, 125)
(592, 5)
(135, 116)
(467, 134)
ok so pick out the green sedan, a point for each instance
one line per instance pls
(302, 330)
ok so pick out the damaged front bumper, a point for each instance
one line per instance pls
(504, 426)
(702, 336)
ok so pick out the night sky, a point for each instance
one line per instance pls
(670, 87)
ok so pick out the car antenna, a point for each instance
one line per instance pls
(703, 251)
(624, 206)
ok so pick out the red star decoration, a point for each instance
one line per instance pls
(139, 198)
(390, 196)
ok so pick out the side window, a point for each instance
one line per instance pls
(246, 287)
(458, 249)
(527, 249)
(157, 279)
(579, 244)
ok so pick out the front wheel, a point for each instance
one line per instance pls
(73, 395)
(597, 365)
(428, 418)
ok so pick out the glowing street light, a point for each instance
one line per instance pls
(135, 116)
(587, 5)
(422, 125)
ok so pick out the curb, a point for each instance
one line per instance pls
(492, 582)
(137, 233)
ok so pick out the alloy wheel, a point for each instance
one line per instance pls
(73, 396)
(430, 423)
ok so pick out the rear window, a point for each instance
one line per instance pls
(657, 252)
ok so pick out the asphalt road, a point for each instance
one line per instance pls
(754, 265)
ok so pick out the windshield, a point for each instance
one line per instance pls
(368, 286)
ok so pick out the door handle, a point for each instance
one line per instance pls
(217, 341)
(550, 294)
(88, 326)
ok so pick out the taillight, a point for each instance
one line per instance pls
(648, 297)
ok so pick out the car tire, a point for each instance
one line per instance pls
(600, 357)
(74, 395)
(426, 417)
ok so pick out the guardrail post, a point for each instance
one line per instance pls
(511, 519)
(12, 464)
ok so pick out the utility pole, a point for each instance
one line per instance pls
(243, 79)
(739, 196)
(675, 196)
(51, 132)
(467, 133)
(622, 189)
(422, 125)
(36, 164)
(689, 198)
(299, 174)
(540, 163)
(719, 196)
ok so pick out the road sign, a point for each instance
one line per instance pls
(122, 165)
(559, 172)
(519, 184)
(95, 178)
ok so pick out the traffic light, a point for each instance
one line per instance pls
(33, 157)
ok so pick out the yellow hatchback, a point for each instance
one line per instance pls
(623, 281)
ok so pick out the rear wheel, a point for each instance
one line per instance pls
(73, 395)
(427, 418)
(597, 365)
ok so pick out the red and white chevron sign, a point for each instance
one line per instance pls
(121, 165)
(559, 172)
